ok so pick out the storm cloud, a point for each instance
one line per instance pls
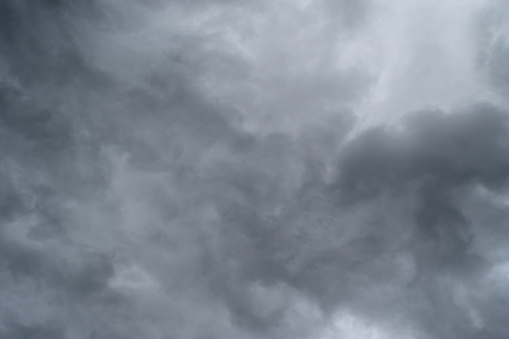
(270, 169)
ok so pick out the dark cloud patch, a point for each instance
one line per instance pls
(436, 159)
(36, 331)
(447, 151)
(436, 156)
(36, 40)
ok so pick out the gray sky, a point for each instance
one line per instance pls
(220, 169)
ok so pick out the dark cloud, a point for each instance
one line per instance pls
(447, 150)
(42, 331)
(435, 161)
(175, 170)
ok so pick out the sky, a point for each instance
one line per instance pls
(276, 169)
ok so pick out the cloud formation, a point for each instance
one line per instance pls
(278, 169)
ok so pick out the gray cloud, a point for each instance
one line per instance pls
(437, 161)
(219, 170)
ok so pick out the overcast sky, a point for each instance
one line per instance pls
(233, 169)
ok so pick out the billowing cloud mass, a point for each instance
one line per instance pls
(254, 169)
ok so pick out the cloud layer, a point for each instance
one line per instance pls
(275, 169)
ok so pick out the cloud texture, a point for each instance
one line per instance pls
(269, 169)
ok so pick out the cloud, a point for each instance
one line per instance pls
(437, 161)
(286, 169)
